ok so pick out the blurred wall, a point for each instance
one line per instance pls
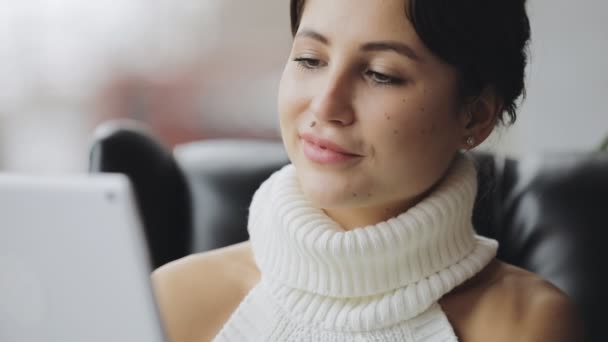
(567, 80)
(191, 69)
(197, 69)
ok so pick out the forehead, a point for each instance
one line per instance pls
(359, 19)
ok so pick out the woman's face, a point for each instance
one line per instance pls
(360, 78)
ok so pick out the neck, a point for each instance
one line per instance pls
(351, 218)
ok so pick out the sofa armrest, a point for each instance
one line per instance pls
(160, 188)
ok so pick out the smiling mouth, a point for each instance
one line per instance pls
(344, 153)
(326, 144)
(323, 155)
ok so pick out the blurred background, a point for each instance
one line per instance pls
(204, 69)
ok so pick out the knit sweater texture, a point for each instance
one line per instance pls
(376, 283)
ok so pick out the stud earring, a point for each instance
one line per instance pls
(471, 141)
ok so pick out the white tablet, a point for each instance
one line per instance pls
(74, 264)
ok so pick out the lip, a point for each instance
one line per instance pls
(327, 144)
(324, 151)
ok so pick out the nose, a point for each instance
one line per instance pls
(333, 103)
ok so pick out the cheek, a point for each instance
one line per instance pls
(402, 124)
(292, 97)
(414, 129)
(283, 95)
(287, 103)
(411, 150)
(292, 104)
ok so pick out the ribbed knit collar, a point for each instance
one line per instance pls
(413, 259)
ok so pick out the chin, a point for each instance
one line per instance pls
(325, 190)
(325, 200)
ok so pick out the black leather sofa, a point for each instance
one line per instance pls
(549, 212)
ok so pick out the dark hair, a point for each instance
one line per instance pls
(485, 40)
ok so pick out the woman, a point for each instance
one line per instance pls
(367, 235)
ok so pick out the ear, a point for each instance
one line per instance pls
(480, 116)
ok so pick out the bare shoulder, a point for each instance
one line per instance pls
(540, 311)
(508, 303)
(198, 293)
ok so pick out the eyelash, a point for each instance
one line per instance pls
(304, 63)
(389, 81)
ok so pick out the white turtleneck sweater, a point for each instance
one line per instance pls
(320, 283)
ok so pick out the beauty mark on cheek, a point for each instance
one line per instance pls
(429, 131)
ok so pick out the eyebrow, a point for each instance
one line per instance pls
(400, 48)
(389, 45)
(313, 35)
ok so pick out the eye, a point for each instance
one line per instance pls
(383, 79)
(308, 63)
